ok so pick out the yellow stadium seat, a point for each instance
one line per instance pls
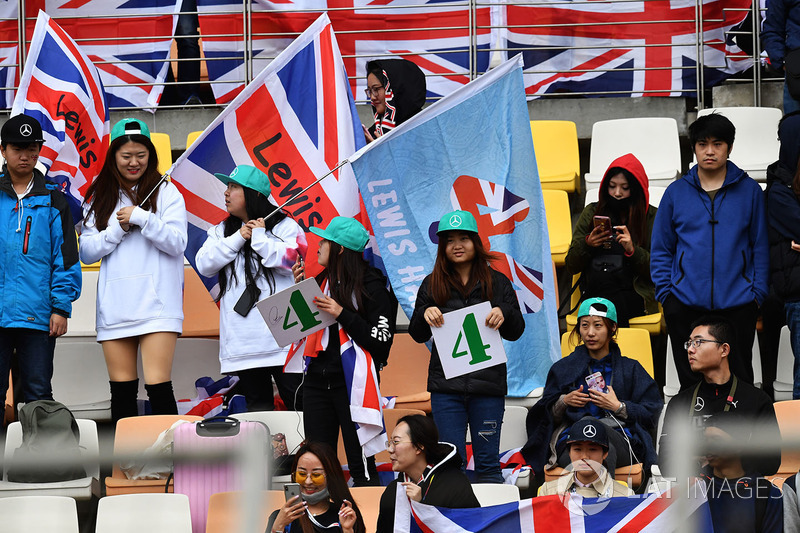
(634, 343)
(555, 143)
(368, 500)
(192, 137)
(406, 375)
(225, 509)
(559, 224)
(200, 313)
(653, 323)
(163, 149)
(788, 414)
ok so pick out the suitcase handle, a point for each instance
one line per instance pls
(219, 426)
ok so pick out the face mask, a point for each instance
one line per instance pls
(315, 498)
(618, 205)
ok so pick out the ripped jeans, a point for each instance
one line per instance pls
(484, 414)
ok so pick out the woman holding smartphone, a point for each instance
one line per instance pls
(324, 503)
(611, 242)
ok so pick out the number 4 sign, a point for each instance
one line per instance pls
(291, 314)
(465, 344)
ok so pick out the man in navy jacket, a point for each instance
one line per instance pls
(710, 251)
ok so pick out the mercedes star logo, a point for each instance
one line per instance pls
(699, 404)
(455, 221)
(589, 431)
(25, 130)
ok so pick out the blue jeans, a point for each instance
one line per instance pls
(452, 412)
(35, 351)
(789, 104)
(793, 321)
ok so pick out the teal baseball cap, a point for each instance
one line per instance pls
(598, 307)
(129, 126)
(345, 231)
(459, 221)
(249, 177)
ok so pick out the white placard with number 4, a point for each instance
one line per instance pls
(291, 314)
(466, 344)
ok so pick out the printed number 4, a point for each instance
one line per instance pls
(475, 346)
(302, 311)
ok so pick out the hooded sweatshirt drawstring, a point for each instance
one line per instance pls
(20, 206)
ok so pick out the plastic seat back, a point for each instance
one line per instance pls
(555, 143)
(135, 513)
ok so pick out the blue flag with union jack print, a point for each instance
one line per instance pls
(471, 151)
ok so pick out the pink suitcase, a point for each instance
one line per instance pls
(199, 479)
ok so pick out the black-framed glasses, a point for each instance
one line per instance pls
(369, 91)
(697, 342)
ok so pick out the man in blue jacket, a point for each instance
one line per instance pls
(709, 249)
(780, 36)
(41, 274)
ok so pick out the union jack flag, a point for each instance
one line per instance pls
(9, 51)
(649, 513)
(128, 40)
(434, 34)
(647, 47)
(62, 90)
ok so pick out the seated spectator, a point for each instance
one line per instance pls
(739, 500)
(588, 448)
(709, 349)
(396, 90)
(325, 503)
(614, 259)
(791, 505)
(628, 401)
(429, 470)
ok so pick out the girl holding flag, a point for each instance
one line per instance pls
(253, 257)
(461, 278)
(136, 224)
(365, 310)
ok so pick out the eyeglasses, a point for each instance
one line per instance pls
(317, 478)
(393, 443)
(369, 91)
(697, 342)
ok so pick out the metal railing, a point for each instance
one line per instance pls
(630, 30)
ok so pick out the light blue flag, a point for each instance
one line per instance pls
(473, 151)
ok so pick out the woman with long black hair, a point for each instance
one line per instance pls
(253, 254)
(461, 277)
(365, 310)
(136, 224)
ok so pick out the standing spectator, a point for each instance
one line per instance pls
(710, 250)
(41, 272)
(136, 224)
(781, 38)
(783, 212)
(253, 257)
(462, 276)
(720, 390)
(614, 260)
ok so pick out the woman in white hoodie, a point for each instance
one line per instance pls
(141, 240)
(253, 258)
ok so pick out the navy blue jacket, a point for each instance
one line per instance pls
(632, 385)
(712, 255)
(41, 270)
(781, 32)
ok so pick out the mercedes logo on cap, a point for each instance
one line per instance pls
(25, 130)
(235, 171)
(589, 431)
(455, 221)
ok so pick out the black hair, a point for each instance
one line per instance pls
(257, 206)
(718, 327)
(374, 67)
(425, 437)
(345, 272)
(713, 125)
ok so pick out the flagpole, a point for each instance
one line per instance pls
(290, 200)
(165, 176)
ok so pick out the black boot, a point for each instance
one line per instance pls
(162, 399)
(123, 399)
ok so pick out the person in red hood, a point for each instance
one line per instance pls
(614, 259)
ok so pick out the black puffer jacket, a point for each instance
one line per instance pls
(783, 216)
(489, 381)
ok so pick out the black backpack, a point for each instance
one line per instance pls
(48, 430)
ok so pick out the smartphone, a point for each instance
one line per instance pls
(603, 222)
(290, 490)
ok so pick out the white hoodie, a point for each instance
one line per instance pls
(246, 342)
(140, 288)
